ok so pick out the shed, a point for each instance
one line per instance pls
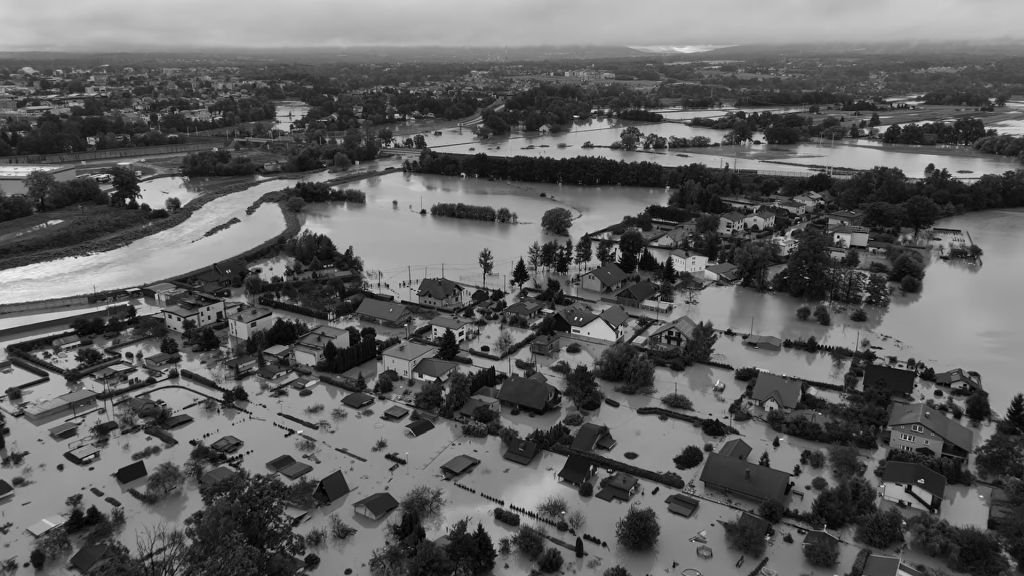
(295, 470)
(894, 380)
(82, 455)
(46, 524)
(395, 413)
(5, 489)
(376, 506)
(771, 343)
(177, 421)
(280, 463)
(682, 505)
(357, 400)
(217, 475)
(64, 431)
(131, 472)
(332, 487)
(458, 465)
(577, 470)
(227, 444)
(736, 448)
(88, 557)
(418, 428)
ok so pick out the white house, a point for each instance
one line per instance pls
(201, 309)
(458, 326)
(434, 370)
(688, 262)
(786, 244)
(730, 222)
(850, 236)
(248, 321)
(762, 220)
(795, 208)
(810, 199)
(608, 326)
(404, 356)
(309, 348)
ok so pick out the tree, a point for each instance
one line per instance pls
(1015, 413)
(37, 558)
(550, 561)
(841, 504)
(254, 285)
(38, 185)
(486, 261)
(533, 255)
(172, 204)
(920, 212)
(557, 221)
(604, 251)
(430, 397)
(877, 291)
(772, 511)
(752, 259)
(628, 262)
(449, 348)
(529, 541)
(978, 408)
(614, 362)
(822, 316)
(668, 272)
(806, 274)
(165, 478)
(580, 385)
(208, 340)
(690, 457)
(638, 530)
(747, 537)
(631, 242)
(701, 344)
(424, 501)
(520, 275)
(483, 561)
(126, 186)
(616, 571)
(764, 460)
(639, 376)
(583, 252)
(169, 345)
(822, 552)
(881, 529)
(845, 461)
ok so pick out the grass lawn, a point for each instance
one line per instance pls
(70, 225)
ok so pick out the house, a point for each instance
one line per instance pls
(722, 273)
(6, 490)
(332, 487)
(920, 429)
(607, 326)
(816, 537)
(730, 222)
(277, 353)
(271, 372)
(64, 431)
(607, 278)
(772, 343)
(674, 333)
(441, 293)
(894, 380)
(382, 312)
(736, 448)
(227, 444)
(117, 374)
(845, 218)
(616, 317)
(521, 451)
(544, 345)
(161, 359)
(533, 393)
(459, 465)
(89, 557)
(477, 401)
(376, 506)
(959, 380)
(591, 436)
(65, 343)
(756, 524)
(745, 204)
(357, 400)
(674, 238)
(761, 220)
(850, 236)
(434, 370)
(620, 486)
(682, 504)
(404, 356)
(395, 413)
(785, 244)
(636, 294)
(217, 475)
(441, 324)
(684, 261)
(201, 309)
(242, 365)
(913, 485)
(773, 392)
(248, 321)
(417, 428)
(735, 476)
(309, 349)
(793, 207)
(810, 199)
(524, 310)
(131, 472)
(577, 470)
(879, 565)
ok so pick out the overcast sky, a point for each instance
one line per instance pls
(112, 24)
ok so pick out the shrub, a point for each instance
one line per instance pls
(713, 427)
(574, 419)
(747, 537)
(316, 537)
(573, 348)
(771, 510)
(746, 374)
(424, 501)
(339, 529)
(677, 401)
(690, 457)
(553, 506)
(507, 517)
(529, 541)
(823, 553)
(37, 558)
(638, 530)
(819, 483)
(14, 394)
(616, 571)
(586, 490)
(816, 458)
(822, 316)
(859, 315)
(474, 429)
(550, 561)
(803, 313)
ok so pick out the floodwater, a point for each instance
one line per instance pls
(287, 112)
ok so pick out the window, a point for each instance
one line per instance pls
(917, 428)
(907, 438)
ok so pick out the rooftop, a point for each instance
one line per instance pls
(744, 478)
(915, 474)
(786, 391)
(950, 430)
(250, 314)
(409, 350)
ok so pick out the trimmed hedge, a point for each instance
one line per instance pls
(510, 518)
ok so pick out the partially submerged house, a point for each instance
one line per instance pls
(227, 444)
(635, 295)
(524, 310)
(607, 278)
(376, 506)
(217, 475)
(773, 392)
(533, 393)
(458, 326)
(131, 472)
(959, 380)
(89, 557)
(724, 273)
(895, 380)
(620, 486)
(544, 345)
(770, 343)
(577, 470)
(921, 429)
(880, 565)
(434, 370)
(459, 465)
(357, 400)
(331, 487)
(913, 485)
(607, 326)
(441, 293)
(417, 428)
(404, 356)
(675, 333)
(310, 348)
(741, 478)
(521, 451)
(245, 322)
(591, 436)
(383, 312)
(735, 448)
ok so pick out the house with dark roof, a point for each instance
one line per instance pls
(531, 393)
(247, 321)
(160, 359)
(959, 380)
(524, 310)
(521, 451)
(620, 486)
(227, 444)
(478, 401)
(770, 343)
(441, 293)
(591, 436)
(395, 413)
(242, 365)
(913, 485)
(923, 430)
(6, 490)
(577, 470)
(724, 273)
(89, 557)
(217, 475)
(376, 506)
(405, 356)
(357, 400)
(895, 380)
(635, 295)
(879, 565)
(417, 428)
(544, 345)
(741, 478)
(131, 472)
(773, 392)
(674, 333)
(607, 278)
(383, 312)
(819, 537)
(434, 370)
(845, 218)
(332, 487)
(730, 222)
(607, 326)
(735, 448)
(459, 465)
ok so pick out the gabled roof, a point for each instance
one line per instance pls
(685, 325)
(226, 444)
(615, 316)
(735, 448)
(878, 565)
(381, 310)
(587, 436)
(318, 337)
(332, 487)
(526, 392)
(379, 504)
(521, 451)
(396, 412)
(916, 475)
(439, 288)
(785, 391)
(409, 351)
(459, 465)
(732, 216)
(934, 420)
(420, 427)
(434, 367)
(577, 469)
(742, 477)
(893, 379)
(724, 269)
(217, 475)
(609, 275)
(449, 322)
(357, 400)
(86, 558)
(576, 317)
(131, 472)
(523, 308)
(622, 481)
(640, 291)
(819, 537)
(958, 376)
(5, 488)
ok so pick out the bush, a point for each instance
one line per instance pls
(616, 571)
(550, 561)
(771, 510)
(713, 427)
(507, 517)
(529, 541)
(340, 529)
(816, 458)
(859, 315)
(746, 374)
(677, 401)
(638, 530)
(573, 348)
(14, 394)
(819, 483)
(910, 285)
(822, 553)
(690, 457)
(803, 313)
(574, 419)
(37, 558)
(747, 537)
(474, 429)
(881, 529)
(822, 316)
(586, 490)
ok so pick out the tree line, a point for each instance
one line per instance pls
(963, 131)
(471, 212)
(216, 163)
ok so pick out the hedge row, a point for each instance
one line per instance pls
(669, 479)
(190, 375)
